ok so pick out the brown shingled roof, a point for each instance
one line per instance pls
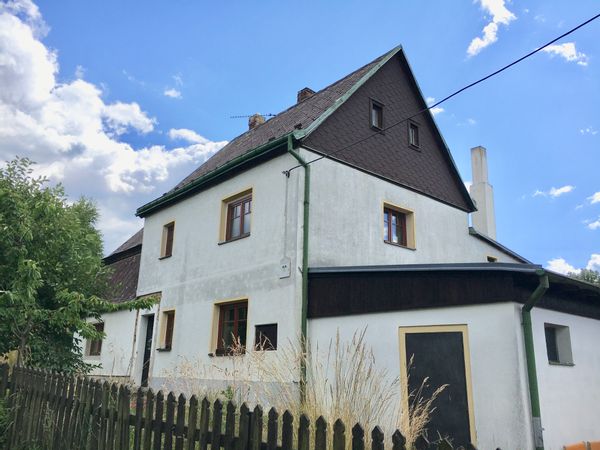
(124, 264)
(300, 115)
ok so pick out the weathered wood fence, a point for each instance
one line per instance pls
(59, 412)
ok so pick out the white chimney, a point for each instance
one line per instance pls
(483, 220)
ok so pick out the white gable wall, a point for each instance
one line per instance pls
(346, 222)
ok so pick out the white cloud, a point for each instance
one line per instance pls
(79, 71)
(561, 266)
(186, 135)
(500, 15)
(178, 79)
(172, 92)
(594, 198)
(594, 262)
(568, 52)
(121, 116)
(554, 192)
(75, 136)
(594, 225)
(437, 110)
(588, 130)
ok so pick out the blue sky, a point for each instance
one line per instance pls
(120, 100)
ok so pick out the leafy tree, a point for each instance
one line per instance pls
(51, 273)
(591, 276)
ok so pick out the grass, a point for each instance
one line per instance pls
(343, 382)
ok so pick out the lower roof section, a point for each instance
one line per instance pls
(340, 291)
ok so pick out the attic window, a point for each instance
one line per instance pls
(413, 135)
(376, 115)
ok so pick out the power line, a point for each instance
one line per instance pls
(502, 69)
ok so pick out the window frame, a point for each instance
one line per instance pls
(93, 343)
(414, 125)
(400, 218)
(220, 350)
(259, 344)
(408, 222)
(167, 330)
(372, 105)
(168, 239)
(562, 345)
(247, 199)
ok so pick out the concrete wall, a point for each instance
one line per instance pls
(498, 379)
(569, 395)
(346, 223)
(201, 272)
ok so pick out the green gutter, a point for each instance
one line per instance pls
(304, 310)
(530, 356)
(195, 185)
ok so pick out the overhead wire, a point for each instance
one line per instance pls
(448, 97)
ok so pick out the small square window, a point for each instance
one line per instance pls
(266, 337)
(167, 240)
(492, 259)
(376, 115)
(413, 135)
(558, 344)
(231, 336)
(239, 218)
(95, 345)
(168, 327)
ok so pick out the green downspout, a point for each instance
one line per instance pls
(530, 357)
(303, 314)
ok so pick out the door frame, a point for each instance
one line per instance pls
(460, 328)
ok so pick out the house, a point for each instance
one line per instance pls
(344, 211)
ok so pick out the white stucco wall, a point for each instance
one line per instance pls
(498, 380)
(201, 272)
(117, 348)
(346, 222)
(569, 395)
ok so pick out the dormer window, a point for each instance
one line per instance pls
(413, 135)
(376, 115)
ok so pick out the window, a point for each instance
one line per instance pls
(232, 327)
(95, 345)
(394, 227)
(413, 135)
(238, 218)
(266, 337)
(558, 344)
(492, 259)
(167, 240)
(376, 115)
(167, 329)
(398, 226)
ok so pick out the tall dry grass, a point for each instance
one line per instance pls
(343, 382)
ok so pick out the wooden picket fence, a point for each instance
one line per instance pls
(60, 412)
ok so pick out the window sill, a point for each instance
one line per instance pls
(163, 349)
(379, 130)
(221, 353)
(400, 245)
(234, 239)
(164, 257)
(554, 363)
(415, 147)
(93, 357)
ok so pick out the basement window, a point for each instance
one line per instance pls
(376, 115)
(266, 337)
(166, 248)
(95, 345)
(413, 135)
(558, 344)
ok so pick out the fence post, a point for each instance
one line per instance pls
(358, 437)
(257, 427)
(215, 440)
(204, 418)
(243, 434)
(158, 421)
(339, 435)
(398, 441)
(139, 417)
(180, 424)
(377, 439)
(272, 429)
(229, 426)
(169, 421)
(287, 431)
(148, 419)
(192, 423)
(303, 432)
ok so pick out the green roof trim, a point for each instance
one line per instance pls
(199, 183)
